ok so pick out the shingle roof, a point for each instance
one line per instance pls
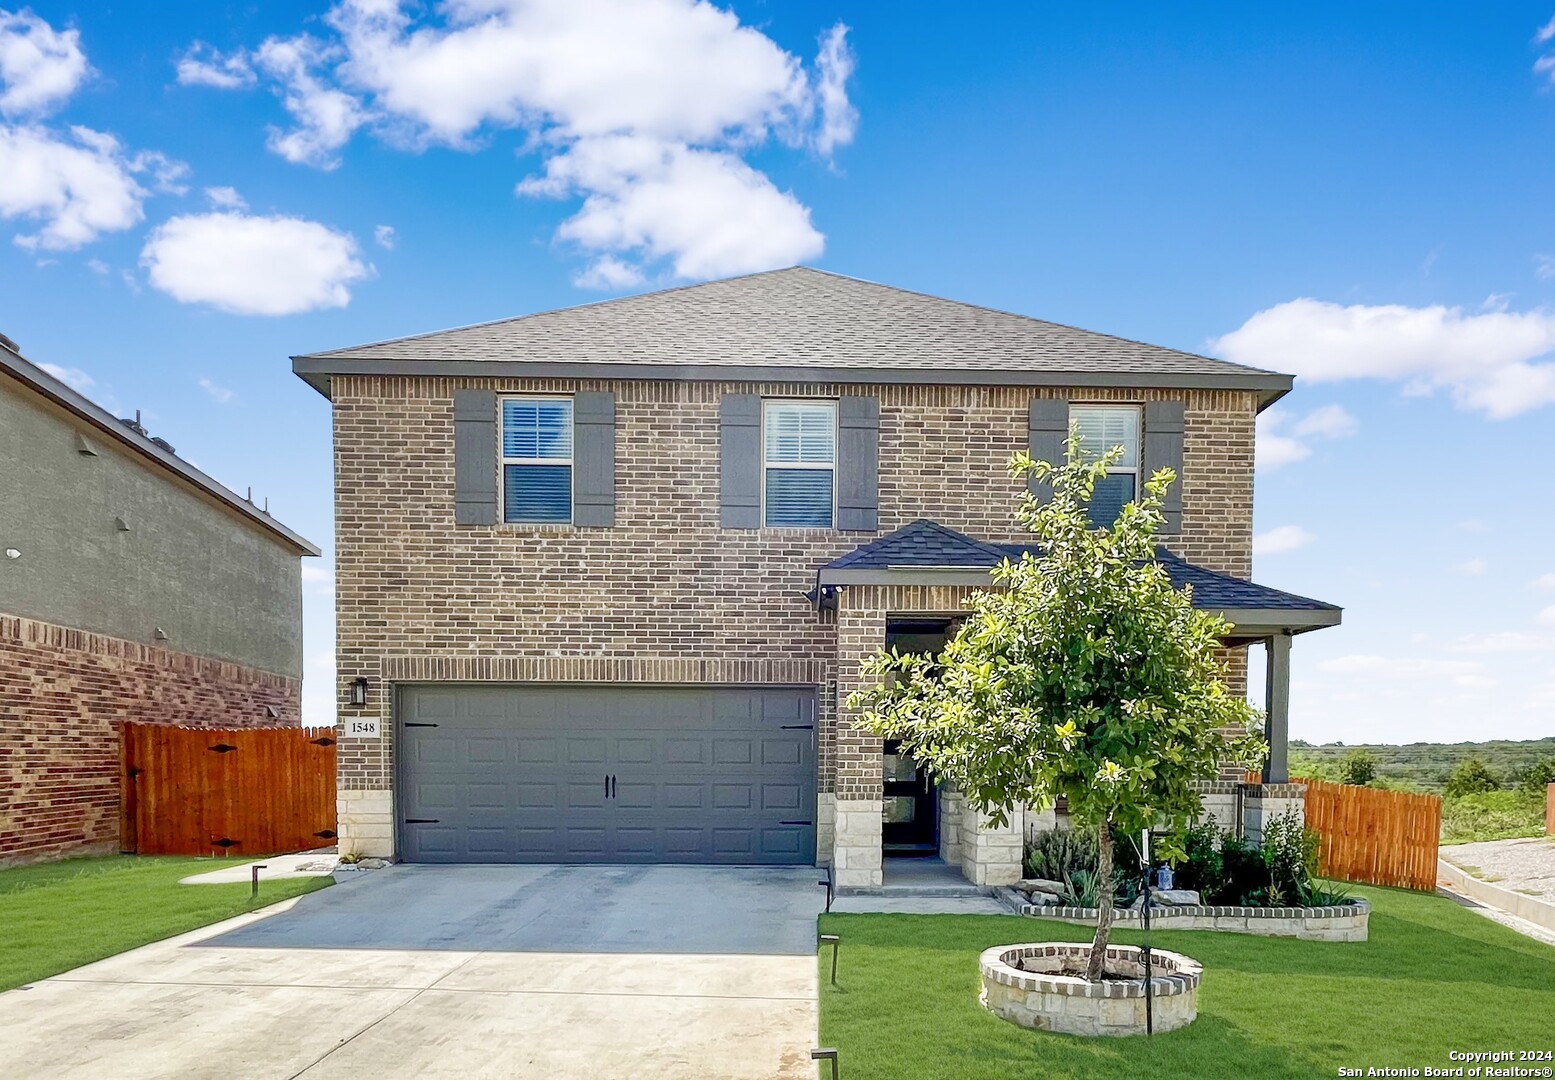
(797, 318)
(925, 543)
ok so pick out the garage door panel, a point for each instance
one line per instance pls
(516, 774)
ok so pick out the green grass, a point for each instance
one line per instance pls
(61, 915)
(1433, 978)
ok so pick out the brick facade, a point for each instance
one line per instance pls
(667, 594)
(62, 693)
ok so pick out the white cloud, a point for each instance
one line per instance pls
(325, 117)
(1547, 616)
(1279, 540)
(317, 574)
(97, 266)
(1473, 525)
(607, 272)
(383, 236)
(1399, 666)
(1484, 359)
(39, 66)
(78, 188)
(1283, 439)
(1474, 567)
(1544, 267)
(250, 265)
(74, 378)
(644, 111)
(1546, 32)
(834, 67)
(221, 394)
(1544, 581)
(1503, 642)
(226, 198)
(707, 212)
(204, 65)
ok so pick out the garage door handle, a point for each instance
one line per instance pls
(423, 821)
(409, 723)
(796, 823)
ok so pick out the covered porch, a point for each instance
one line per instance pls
(906, 589)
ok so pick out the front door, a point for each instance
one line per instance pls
(910, 819)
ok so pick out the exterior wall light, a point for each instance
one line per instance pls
(359, 691)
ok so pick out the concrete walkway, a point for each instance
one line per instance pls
(557, 972)
(304, 864)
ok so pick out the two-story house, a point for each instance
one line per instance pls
(133, 587)
(605, 575)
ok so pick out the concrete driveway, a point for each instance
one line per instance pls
(455, 971)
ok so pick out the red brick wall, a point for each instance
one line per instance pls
(62, 692)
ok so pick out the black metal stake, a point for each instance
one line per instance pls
(835, 942)
(826, 1053)
(828, 886)
(253, 892)
(1145, 942)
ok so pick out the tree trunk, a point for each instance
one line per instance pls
(1104, 895)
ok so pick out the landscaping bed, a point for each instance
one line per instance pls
(1434, 978)
(1339, 922)
(61, 915)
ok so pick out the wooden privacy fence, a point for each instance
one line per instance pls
(198, 791)
(1374, 836)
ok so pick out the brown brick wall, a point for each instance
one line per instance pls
(667, 583)
(62, 692)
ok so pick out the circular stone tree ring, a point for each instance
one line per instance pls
(1028, 985)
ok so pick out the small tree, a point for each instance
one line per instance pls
(1471, 777)
(1359, 767)
(1086, 676)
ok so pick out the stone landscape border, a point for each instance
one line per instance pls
(1070, 1005)
(1342, 922)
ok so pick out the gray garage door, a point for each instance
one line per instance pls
(606, 774)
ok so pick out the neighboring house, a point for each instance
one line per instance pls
(132, 587)
(605, 575)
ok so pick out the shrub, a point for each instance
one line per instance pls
(1492, 815)
(1359, 768)
(1471, 777)
(1201, 868)
(1246, 877)
(1056, 853)
(1290, 854)
(1538, 776)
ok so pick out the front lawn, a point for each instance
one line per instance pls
(61, 915)
(1433, 978)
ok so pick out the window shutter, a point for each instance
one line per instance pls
(858, 464)
(1163, 450)
(475, 457)
(739, 461)
(594, 459)
(1049, 429)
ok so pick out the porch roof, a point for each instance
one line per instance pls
(927, 553)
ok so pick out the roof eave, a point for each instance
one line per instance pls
(28, 373)
(315, 369)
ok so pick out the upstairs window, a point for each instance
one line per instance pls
(799, 460)
(537, 460)
(1103, 427)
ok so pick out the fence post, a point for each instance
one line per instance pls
(1549, 810)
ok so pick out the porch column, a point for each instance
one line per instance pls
(856, 852)
(1276, 769)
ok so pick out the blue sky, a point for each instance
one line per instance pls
(1365, 198)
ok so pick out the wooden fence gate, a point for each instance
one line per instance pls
(202, 791)
(1375, 836)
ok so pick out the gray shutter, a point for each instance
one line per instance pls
(739, 461)
(594, 459)
(1047, 434)
(475, 457)
(858, 464)
(1163, 450)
